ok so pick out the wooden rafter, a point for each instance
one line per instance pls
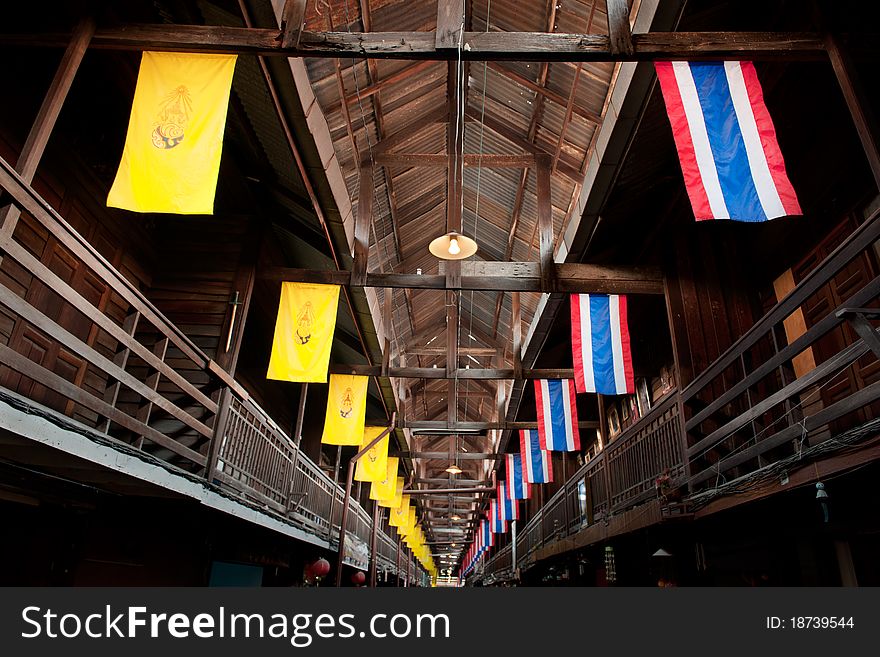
(478, 46)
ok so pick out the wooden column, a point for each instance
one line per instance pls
(362, 223)
(516, 331)
(242, 291)
(292, 18)
(545, 219)
(38, 137)
(450, 23)
(854, 96)
(619, 33)
(387, 322)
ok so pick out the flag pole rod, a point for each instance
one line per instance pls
(376, 512)
(397, 564)
(348, 479)
(297, 438)
(513, 547)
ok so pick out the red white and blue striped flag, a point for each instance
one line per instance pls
(732, 165)
(557, 415)
(537, 465)
(498, 523)
(508, 509)
(517, 487)
(600, 344)
(488, 537)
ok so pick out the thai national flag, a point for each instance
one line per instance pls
(499, 524)
(507, 508)
(557, 415)
(517, 487)
(488, 537)
(732, 165)
(600, 344)
(537, 465)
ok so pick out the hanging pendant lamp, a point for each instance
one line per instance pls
(453, 246)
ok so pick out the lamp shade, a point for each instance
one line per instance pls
(453, 469)
(453, 246)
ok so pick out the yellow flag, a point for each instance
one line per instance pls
(346, 406)
(175, 134)
(303, 332)
(394, 501)
(373, 465)
(386, 488)
(399, 514)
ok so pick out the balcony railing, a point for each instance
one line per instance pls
(622, 475)
(755, 405)
(112, 362)
(750, 409)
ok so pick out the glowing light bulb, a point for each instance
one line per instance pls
(454, 248)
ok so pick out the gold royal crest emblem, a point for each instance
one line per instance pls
(346, 405)
(305, 324)
(170, 123)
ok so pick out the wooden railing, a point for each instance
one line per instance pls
(124, 370)
(622, 475)
(749, 409)
(752, 406)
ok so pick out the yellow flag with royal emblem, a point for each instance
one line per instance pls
(386, 488)
(175, 134)
(346, 407)
(373, 465)
(395, 500)
(304, 333)
(400, 513)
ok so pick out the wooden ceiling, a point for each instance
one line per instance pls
(381, 112)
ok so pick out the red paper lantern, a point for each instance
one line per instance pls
(320, 568)
(358, 578)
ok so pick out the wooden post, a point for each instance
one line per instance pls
(516, 326)
(855, 100)
(619, 33)
(450, 23)
(242, 292)
(362, 223)
(38, 137)
(545, 220)
(297, 438)
(345, 504)
(220, 421)
(292, 18)
(387, 322)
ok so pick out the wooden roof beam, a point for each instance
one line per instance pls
(565, 277)
(478, 46)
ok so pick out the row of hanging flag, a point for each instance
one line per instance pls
(386, 488)
(602, 356)
(732, 168)
(726, 142)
